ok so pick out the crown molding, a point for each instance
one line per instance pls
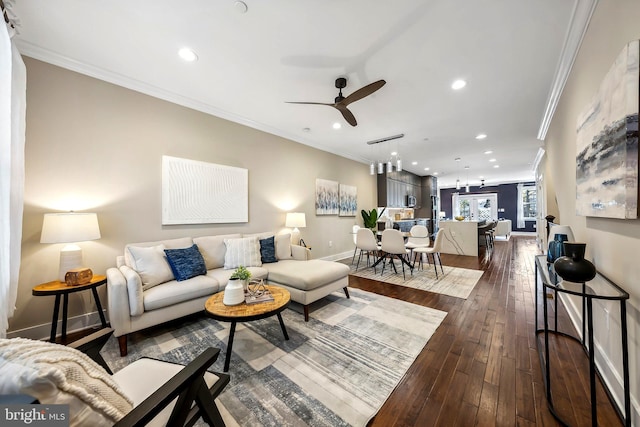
(580, 18)
(62, 61)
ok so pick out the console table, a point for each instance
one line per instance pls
(603, 290)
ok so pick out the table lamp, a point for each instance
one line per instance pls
(295, 220)
(69, 227)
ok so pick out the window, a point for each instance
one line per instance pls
(529, 203)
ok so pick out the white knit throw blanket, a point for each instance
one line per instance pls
(69, 370)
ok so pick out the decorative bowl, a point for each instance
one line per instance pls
(459, 218)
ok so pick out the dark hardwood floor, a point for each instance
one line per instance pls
(481, 366)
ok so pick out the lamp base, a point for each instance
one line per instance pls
(70, 258)
(295, 236)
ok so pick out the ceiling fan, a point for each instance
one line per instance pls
(341, 102)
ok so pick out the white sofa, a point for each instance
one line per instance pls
(143, 291)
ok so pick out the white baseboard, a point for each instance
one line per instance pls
(337, 257)
(74, 324)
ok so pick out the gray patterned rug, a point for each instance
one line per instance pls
(336, 370)
(456, 282)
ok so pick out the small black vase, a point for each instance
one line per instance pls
(573, 267)
(556, 247)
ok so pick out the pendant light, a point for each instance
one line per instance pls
(467, 187)
(457, 159)
(372, 168)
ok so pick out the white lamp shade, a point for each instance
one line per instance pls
(69, 227)
(295, 220)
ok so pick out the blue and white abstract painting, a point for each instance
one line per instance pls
(607, 143)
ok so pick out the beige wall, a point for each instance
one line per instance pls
(96, 147)
(613, 245)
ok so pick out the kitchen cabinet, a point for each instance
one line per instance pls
(395, 186)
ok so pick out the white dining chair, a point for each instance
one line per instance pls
(368, 244)
(418, 238)
(354, 231)
(393, 247)
(434, 251)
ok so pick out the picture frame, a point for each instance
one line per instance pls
(348, 205)
(327, 197)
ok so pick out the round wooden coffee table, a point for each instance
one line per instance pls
(216, 309)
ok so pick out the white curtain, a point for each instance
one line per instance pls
(13, 86)
(520, 223)
(455, 205)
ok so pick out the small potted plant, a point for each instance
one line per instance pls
(241, 273)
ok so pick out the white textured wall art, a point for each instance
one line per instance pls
(348, 200)
(196, 192)
(326, 197)
(607, 143)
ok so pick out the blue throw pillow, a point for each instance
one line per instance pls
(186, 263)
(268, 250)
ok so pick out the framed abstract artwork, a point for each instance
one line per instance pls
(195, 192)
(607, 143)
(348, 200)
(326, 197)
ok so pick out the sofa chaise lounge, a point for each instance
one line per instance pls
(155, 282)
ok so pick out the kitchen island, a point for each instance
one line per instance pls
(460, 237)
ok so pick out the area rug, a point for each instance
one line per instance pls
(456, 282)
(335, 370)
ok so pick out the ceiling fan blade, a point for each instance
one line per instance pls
(362, 92)
(348, 116)
(310, 103)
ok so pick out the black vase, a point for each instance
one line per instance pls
(556, 247)
(573, 267)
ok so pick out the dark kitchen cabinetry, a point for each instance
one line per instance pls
(429, 204)
(394, 187)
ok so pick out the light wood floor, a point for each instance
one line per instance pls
(481, 366)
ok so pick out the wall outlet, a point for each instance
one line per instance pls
(330, 243)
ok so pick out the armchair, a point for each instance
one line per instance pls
(146, 392)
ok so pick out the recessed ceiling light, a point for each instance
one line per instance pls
(481, 176)
(414, 163)
(436, 173)
(492, 160)
(458, 84)
(481, 136)
(457, 159)
(187, 54)
(488, 152)
(496, 166)
(337, 125)
(306, 129)
(427, 169)
(394, 153)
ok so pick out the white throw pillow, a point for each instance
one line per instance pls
(55, 374)
(213, 249)
(244, 251)
(151, 264)
(283, 246)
